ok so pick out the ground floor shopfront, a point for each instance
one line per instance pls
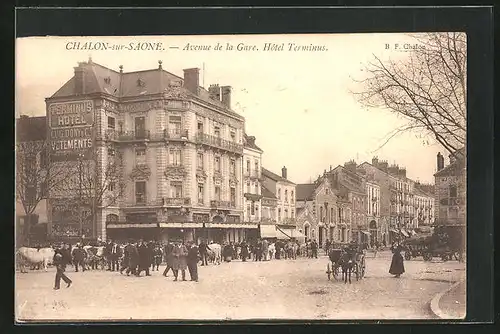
(216, 232)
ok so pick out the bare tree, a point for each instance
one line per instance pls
(427, 88)
(35, 176)
(92, 188)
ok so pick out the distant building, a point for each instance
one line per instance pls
(450, 180)
(31, 161)
(320, 198)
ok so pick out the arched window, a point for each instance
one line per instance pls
(111, 218)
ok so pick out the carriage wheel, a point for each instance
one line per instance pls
(328, 272)
(336, 272)
(407, 256)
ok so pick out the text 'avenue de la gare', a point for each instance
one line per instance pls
(253, 47)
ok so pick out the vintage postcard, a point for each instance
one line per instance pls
(241, 177)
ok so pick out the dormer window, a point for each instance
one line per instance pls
(107, 80)
(141, 83)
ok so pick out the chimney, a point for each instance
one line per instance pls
(192, 80)
(440, 161)
(159, 64)
(251, 140)
(375, 161)
(214, 92)
(226, 96)
(394, 170)
(402, 172)
(283, 172)
(80, 79)
(350, 166)
(384, 165)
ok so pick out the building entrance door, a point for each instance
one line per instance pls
(321, 230)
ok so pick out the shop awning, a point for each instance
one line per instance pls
(366, 232)
(181, 225)
(131, 225)
(403, 232)
(227, 225)
(268, 231)
(297, 234)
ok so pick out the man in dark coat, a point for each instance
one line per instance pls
(203, 249)
(168, 258)
(157, 257)
(79, 256)
(397, 264)
(179, 260)
(126, 258)
(107, 253)
(258, 250)
(134, 259)
(144, 258)
(192, 261)
(244, 251)
(60, 262)
(314, 249)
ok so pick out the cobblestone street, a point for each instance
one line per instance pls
(278, 289)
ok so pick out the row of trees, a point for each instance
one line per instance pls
(81, 186)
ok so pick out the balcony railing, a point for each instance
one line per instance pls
(289, 221)
(141, 202)
(176, 201)
(168, 134)
(206, 139)
(222, 204)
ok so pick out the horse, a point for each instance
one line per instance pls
(347, 262)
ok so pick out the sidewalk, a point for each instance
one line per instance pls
(453, 302)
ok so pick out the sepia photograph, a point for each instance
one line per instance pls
(241, 177)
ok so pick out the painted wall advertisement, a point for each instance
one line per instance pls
(71, 127)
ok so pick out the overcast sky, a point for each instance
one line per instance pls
(296, 103)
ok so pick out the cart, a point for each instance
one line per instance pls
(333, 266)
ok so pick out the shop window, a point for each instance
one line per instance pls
(111, 123)
(140, 192)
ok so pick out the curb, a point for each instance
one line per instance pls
(434, 303)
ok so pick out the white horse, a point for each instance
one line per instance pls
(272, 251)
(215, 252)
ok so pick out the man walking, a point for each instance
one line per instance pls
(115, 256)
(169, 248)
(192, 261)
(60, 261)
(144, 258)
(314, 249)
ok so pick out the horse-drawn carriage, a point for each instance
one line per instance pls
(446, 243)
(346, 261)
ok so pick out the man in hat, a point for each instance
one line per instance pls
(60, 262)
(192, 261)
(79, 256)
(179, 260)
(169, 247)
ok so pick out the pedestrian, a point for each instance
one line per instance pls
(134, 259)
(203, 249)
(107, 254)
(60, 262)
(397, 264)
(126, 259)
(192, 261)
(115, 256)
(179, 260)
(144, 258)
(265, 250)
(244, 251)
(169, 247)
(258, 250)
(157, 256)
(314, 249)
(79, 256)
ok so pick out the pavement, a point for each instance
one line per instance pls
(276, 289)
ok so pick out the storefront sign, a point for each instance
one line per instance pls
(200, 217)
(77, 113)
(141, 106)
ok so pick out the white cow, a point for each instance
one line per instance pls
(215, 252)
(31, 256)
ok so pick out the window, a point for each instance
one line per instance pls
(199, 161)
(217, 193)
(200, 193)
(279, 214)
(175, 124)
(176, 189)
(140, 127)
(140, 192)
(217, 132)
(252, 212)
(140, 156)
(256, 210)
(332, 215)
(233, 197)
(286, 213)
(111, 186)
(175, 157)
(327, 191)
(111, 152)
(200, 127)
(248, 187)
(453, 213)
(279, 194)
(30, 194)
(233, 167)
(453, 191)
(292, 214)
(292, 198)
(256, 188)
(286, 195)
(256, 168)
(321, 213)
(217, 164)
(111, 123)
(248, 166)
(233, 136)
(248, 210)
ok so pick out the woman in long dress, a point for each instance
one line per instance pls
(397, 265)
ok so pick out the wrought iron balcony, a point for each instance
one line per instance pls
(127, 135)
(140, 202)
(206, 139)
(175, 134)
(222, 204)
(289, 221)
(176, 201)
